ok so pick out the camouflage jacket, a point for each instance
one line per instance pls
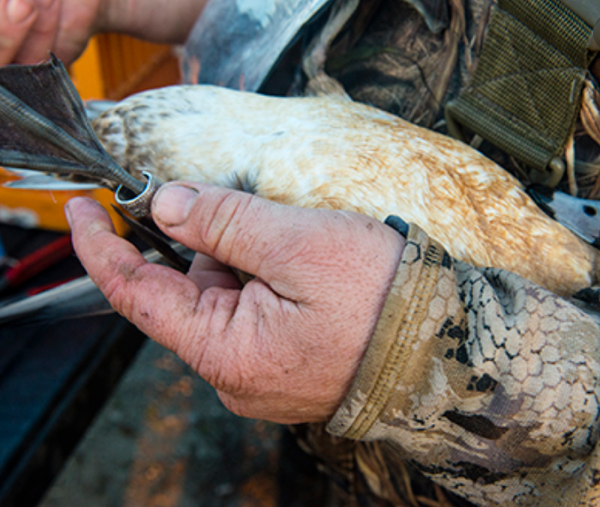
(480, 380)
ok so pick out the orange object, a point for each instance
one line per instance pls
(114, 66)
(44, 208)
(86, 73)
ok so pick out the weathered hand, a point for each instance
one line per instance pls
(31, 28)
(284, 347)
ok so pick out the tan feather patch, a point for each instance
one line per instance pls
(326, 153)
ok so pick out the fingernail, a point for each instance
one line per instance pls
(72, 211)
(172, 204)
(68, 215)
(18, 11)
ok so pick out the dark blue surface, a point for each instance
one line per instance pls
(57, 379)
(53, 380)
(42, 362)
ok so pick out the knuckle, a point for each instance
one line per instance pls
(8, 44)
(236, 405)
(225, 225)
(117, 288)
(223, 377)
(115, 292)
(229, 376)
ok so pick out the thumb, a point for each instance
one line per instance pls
(238, 229)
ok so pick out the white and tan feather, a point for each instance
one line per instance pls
(327, 152)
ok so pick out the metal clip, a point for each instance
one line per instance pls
(138, 205)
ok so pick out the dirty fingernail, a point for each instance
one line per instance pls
(18, 11)
(68, 215)
(172, 204)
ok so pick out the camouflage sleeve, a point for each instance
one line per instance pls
(485, 382)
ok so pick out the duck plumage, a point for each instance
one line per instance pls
(331, 152)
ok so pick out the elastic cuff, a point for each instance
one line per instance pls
(394, 338)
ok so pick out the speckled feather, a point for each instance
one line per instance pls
(330, 152)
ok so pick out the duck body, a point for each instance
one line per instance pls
(331, 152)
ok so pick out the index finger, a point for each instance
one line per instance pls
(151, 296)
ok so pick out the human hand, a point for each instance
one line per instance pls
(29, 29)
(285, 346)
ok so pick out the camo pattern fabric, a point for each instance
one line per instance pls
(388, 57)
(481, 380)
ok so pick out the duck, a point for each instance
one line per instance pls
(327, 151)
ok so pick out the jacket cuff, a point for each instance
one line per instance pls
(411, 316)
